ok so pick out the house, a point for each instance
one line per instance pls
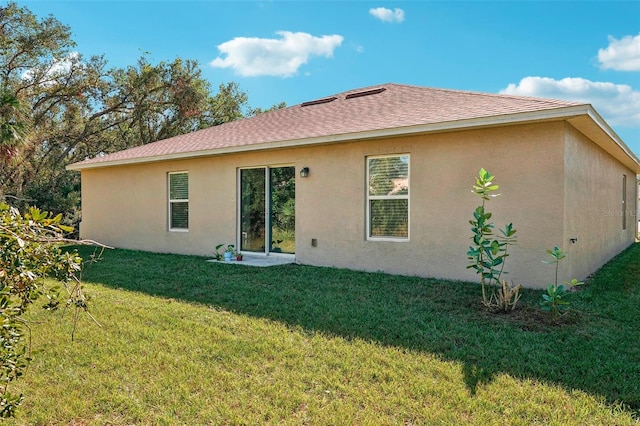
(377, 179)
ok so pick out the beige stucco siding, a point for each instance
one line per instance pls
(594, 212)
(126, 206)
(527, 161)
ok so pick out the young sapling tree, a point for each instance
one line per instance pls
(488, 253)
(555, 299)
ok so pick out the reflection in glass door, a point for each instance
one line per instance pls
(252, 210)
(282, 209)
(267, 210)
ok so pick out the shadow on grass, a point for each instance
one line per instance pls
(594, 349)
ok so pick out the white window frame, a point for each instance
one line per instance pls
(624, 202)
(370, 197)
(170, 201)
(267, 185)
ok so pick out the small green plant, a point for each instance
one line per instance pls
(220, 251)
(555, 299)
(489, 252)
(275, 246)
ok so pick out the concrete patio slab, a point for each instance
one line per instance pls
(259, 261)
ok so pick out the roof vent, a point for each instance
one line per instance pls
(365, 93)
(318, 101)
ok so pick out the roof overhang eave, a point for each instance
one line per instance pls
(596, 128)
(564, 113)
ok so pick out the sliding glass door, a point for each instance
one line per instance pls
(252, 210)
(267, 210)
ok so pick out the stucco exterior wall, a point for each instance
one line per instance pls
(594, 212)
(126, 206)
(527, 162)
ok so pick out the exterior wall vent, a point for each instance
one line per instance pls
(365, 93)
(318, 101)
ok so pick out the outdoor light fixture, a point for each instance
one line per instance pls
(304, 172)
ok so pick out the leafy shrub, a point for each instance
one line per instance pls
(555, 299)
(30, 251)
(489, 252)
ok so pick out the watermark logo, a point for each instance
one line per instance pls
(620, 213)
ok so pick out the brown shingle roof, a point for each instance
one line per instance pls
(387, 108)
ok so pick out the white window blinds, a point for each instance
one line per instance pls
(179, 200)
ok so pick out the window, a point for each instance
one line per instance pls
(179, 201)
(388, 197)
(624, 202)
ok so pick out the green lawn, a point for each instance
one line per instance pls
(185, 341)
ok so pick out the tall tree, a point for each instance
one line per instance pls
(12, 126)
(258, 110)
(75, 108)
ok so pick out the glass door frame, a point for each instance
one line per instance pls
(268, 212)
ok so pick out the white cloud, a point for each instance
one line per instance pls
(252, 56)
(621, 55)
(387, 15)
(56, 68)
(619, 104)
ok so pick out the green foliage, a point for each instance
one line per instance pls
(12, 126)
(484, 186)
(218, 253)
(30, 251)
(220, 250)
(71, 107)
(489, 252)
(283, 198)
(555, 299)
(281, 189)
(258, 110)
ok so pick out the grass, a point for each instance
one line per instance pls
(185, 341)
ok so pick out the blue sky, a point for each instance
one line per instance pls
(295, 51)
